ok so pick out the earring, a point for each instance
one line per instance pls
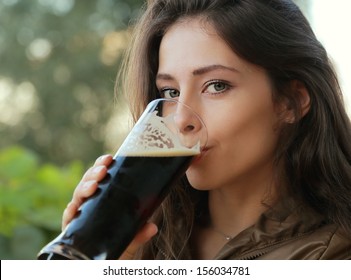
(290, 120)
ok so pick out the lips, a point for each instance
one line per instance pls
(198, 158)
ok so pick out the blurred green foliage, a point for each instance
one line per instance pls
(58, 64)
(33, 196)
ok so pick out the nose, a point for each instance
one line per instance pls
(186, 120)
(184, 123)
(191, 129)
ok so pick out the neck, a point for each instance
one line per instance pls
(229, 215)
(235, 208)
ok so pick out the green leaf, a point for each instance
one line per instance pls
(26, 242)
(4, 248)
(17, 163)
(48, 218)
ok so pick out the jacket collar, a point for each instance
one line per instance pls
(286, 220)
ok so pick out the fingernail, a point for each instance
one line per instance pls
(98, 169)
(102, 158)
(88, 184)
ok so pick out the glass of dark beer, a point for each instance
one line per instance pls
(155, 154)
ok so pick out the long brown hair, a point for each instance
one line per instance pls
(315, 150)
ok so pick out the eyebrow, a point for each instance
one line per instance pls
(206, 69)
(199, 71)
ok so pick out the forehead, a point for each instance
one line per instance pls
(194, 43)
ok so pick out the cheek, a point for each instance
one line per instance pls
(243, 146)
(252, 133)
(245, 124)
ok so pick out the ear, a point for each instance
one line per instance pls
(302, 99)
(303, 96)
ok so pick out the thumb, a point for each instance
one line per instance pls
(144, 235)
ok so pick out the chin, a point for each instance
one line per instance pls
(198, 182)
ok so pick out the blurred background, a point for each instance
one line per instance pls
(58, 111)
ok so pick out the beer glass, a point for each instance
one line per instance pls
(155, 154)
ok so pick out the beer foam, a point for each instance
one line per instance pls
(155, 137)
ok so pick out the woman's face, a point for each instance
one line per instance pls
(234, 99)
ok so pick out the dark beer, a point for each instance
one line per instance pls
(108, 221)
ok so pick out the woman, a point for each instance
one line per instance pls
(275, 179)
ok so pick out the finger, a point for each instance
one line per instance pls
(83, 191)
(99, 169)
(104, 160)
(144, 235)
(96, 173)
(69, 213)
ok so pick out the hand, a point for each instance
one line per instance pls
(143, 236)
(87, 187)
